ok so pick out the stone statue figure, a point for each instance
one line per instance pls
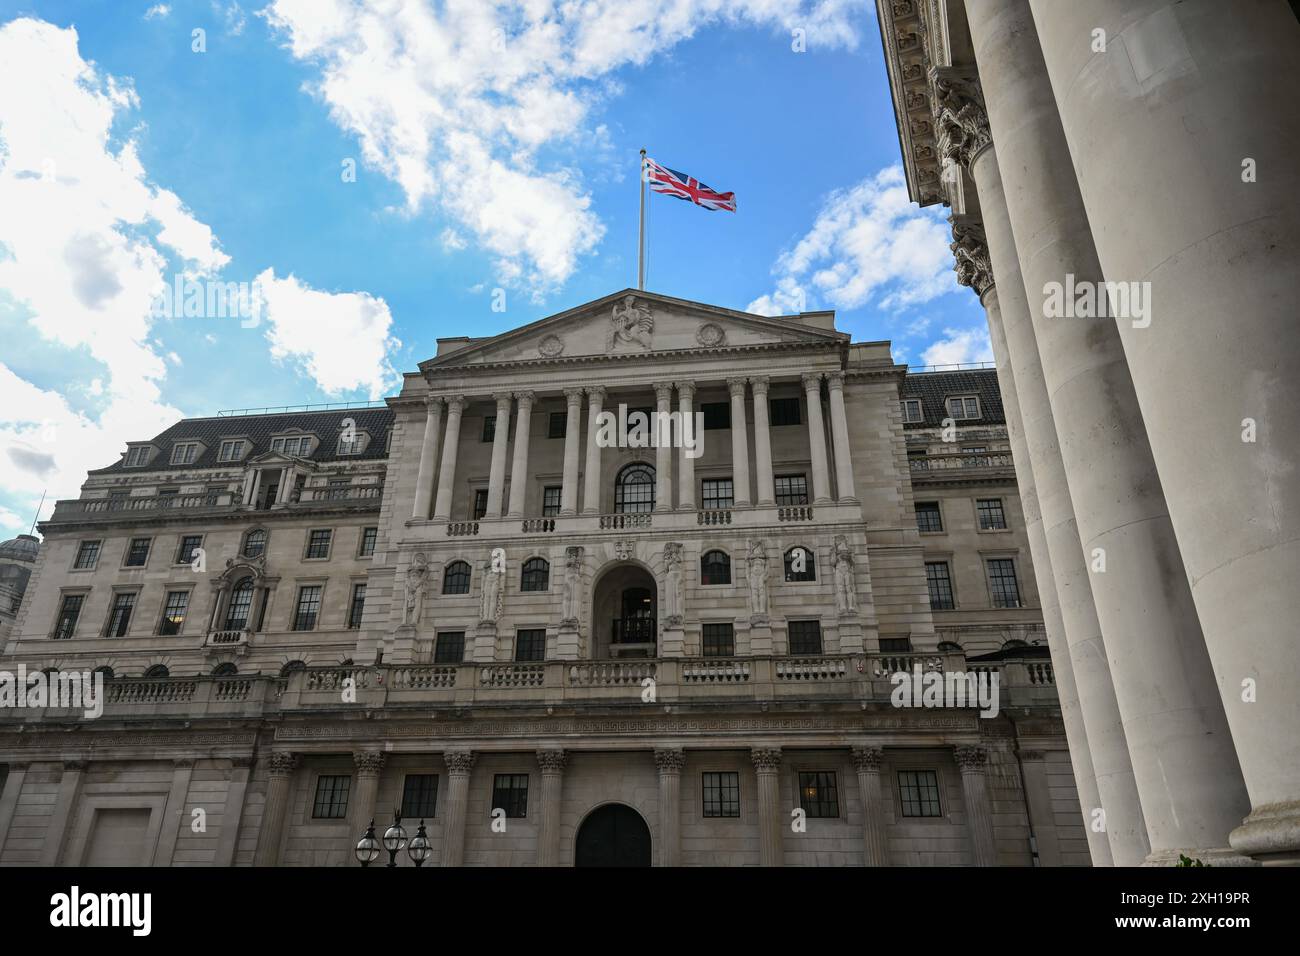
(490, 600)
(846, 596)
(417, 576)
(630, 325)
(757, 579)
(673, 600)
(572, 585)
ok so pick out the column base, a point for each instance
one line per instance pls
(568, 512)
(766, 503)
(1270, 835)
(1210, 856)
(686, 506)
(823, 501)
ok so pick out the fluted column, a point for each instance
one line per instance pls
(812, 388)
(9, 797)
(771, 821)
(875, 845)
(1184, 143)
(663, 448)
(739, 443)
(447, 467)
(500, 439)
(232, 816)
(281, 766)
(572, 439)
(685, 463)
(552, 763)
(460, 763)
(762, 442)
(369, 764)
(844, 487)
(979, 816)
(591, 491)
(428, 458)
(65, 802)
(519, 467)
(670, 762)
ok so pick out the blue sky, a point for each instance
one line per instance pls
(495, 147)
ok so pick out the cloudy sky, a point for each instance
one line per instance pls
(384, 171)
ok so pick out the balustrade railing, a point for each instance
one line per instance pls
(794, 513)
(538, 525)
(714, 516)
(456, 529)
(634, 630)
(611, 673)
(626, 522)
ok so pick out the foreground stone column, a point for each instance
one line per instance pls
(233, 814)
(369, 764)
(497, 472)
(670, 763)
(552, 763)
(812, 389)
(663, 448)
(685, 463)
(281, 767)
(13, 789)
(572, 438)
(1186, 769)
(762, 442)
(844, 487)
(74, 771)
(875, 845)
(739, 443)
(428, 458)
(1184, 135)
(591, 493)
(519, 466)
(771, 821)
(447, 468)
(460, 763)
(979, 816)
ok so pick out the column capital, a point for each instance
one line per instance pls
(282, 763)
(503, 400)
(834, 380)
(433, 402)
(971, 252)
(961, 123)
(573, 396)
(736, 386)
(369, 761)
(685, 390)
(663, 391)
(525, 398)
(455, 404)
(670, 759)
(552, 761)
(595, 394)
(766, 759)
(812, 381)
(183, 763)
(971, 759)
(459, 761)
(867, 759)
(759, 384)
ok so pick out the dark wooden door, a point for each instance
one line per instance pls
(613, 835)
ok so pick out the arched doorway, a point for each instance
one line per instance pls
(624, 617)
(612, 835)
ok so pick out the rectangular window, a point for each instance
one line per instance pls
(137, 552)
(352, 446)
(919, 793)
(119, 617)
(357, 606)
(449, 648)
(331, 801)
(551, 496)
(480, 503)
(818, 794)
(784, 411)
(928, 516)
(721, 794)
(895, 645)
(174, 611)
(419, 796)
(308, 609)
(912, 411)
(940, 585)
(490, 428)
(718, 640)
(791, 489)
(716, 415)
(510, 793)
(87, 556)
(231, 450)
(137, 456)
(318, 543)
(189, 544)
(1002, 583)
(299, 445)
(557, 424)
(964, 407)
(68, 614)
(990, 513)
(368, 538)
(530, 645)
(184, 454)
(716, 493)
(805, 637)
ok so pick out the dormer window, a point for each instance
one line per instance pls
(298, 445)
(963, 407)
(912, 411)
(232, 450)
(137, 456)
(355, 446)
(185, 453)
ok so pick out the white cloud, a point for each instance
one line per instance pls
(960, 347)
(158, 10)
(456, 101)
(343, 338)
(868, 244)
(233, 15)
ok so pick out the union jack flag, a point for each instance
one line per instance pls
(680, 186)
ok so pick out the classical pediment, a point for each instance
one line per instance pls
(632, 323)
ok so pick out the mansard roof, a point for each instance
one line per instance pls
(934, 387)
(259, 430)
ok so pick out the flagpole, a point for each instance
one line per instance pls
(640, 249)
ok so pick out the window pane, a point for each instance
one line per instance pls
(87, 555)
(1002, 582)
(715, 568)
(719, 640)
(919, 792)
(634, 490)
(800, 564)
(455, 580)
(818, 794)
(304, 618)
(254, 544)
(530, 645)
(119, 618)
(241, 602)
(189, 544)
(490, 428)
(318, 544)
(420, 796)
(536, 575)
(928, 517)
(940, 584)
(557, 424)
(805, 637)
(137, 553)
(717, 493)
(791, 490)
(178, 603)
(510, 793)
(368, 538)
(721, 794)
(331, 797)
(480, 503)
(990, 514)
(449, 648)
(68, 614)
(551, 495)
(357, 606)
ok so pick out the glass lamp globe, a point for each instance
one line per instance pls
(395, 837)
(367, 850)
(420, 849)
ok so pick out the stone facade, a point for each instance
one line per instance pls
(564, 648)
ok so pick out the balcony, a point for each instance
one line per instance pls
(961, 467)
(633, 637)
(130, 507)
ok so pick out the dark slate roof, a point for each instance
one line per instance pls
(934, 387)
(259, 429)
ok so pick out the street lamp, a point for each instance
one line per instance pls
(420, 849)
(395, 839)
(367, 850)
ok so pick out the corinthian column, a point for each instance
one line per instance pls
(460, 763)
(663, 447)
(591, 493)
(812, 389)
(447, 469)
(844, 487)
(519, 467)
(979, 817)
(762, 442)
(500, 438)
(875, 845)
(771, 821)
(670, 762)
(739, 443)
(281, 766)
(428, 458)
(572, 436)
(370, 764)
(552, 763)
(685, 463)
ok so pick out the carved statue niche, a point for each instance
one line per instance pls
(673, 599)
(417, 578)
(490, 599)
(631, 326)
(846, 596)
(757, 562)
(572, 585)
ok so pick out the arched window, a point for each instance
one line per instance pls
(634, 490)
(106, 671)
(455, 580)
(225, 670)
(1014, 643)
(715, 568)
(536, 576)
(292, 666)
(800, 565)
(949, 647)
(255, 543)
(158, 670)
(241, 602)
